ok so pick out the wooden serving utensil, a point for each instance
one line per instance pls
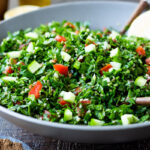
(143, 101)
(143, 4)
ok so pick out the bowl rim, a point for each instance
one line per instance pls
(62, 125)
(64, 4)
(71, 126)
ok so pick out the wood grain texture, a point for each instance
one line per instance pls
(37, 142)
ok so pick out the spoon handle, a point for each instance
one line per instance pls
(143, 4)
(143, 101)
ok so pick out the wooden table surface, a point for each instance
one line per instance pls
(37, 142)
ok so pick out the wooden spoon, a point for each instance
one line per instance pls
(143, 101)
(143, 4)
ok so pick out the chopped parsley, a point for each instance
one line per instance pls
(68, 73)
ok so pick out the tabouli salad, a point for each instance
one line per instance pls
(65, 72)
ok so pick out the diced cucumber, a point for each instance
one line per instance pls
(30, 48)
(114, 52)
(96, 122)
(24, 79)
(90, 38)
(14, 54)
(34, 66)
(105, 45)
(32, 35)
(140, 81)
(107, 79)
(93, 80)
(67, 115)
(113, 35)
(47, 34)
(90, 48)
(65, 56)
(77, 65)
(56, 75)
(129, 119)
(115, 65)
(9, 79)
(69, 97)
(62, 93)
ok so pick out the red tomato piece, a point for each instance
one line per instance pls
(105, 68)
(85, 101)
(60, 38)
(140, 50)
(61, 69)
(148, 72)
(69, 24)
(35, 90)
(147, 61)
(17, 103)
(8, 70)
(90, 42)
(62, 101)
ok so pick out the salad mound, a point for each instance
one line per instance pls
(66, 72)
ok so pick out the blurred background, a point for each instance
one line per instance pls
(14, 3)
(8, 7)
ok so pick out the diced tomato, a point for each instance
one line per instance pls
(60, 38)
(17, 103)
(140, 50)
(77, 32)
(90, 42)
(148, 72)
(114, 40)
(69, 24)
(147, 61)
(85, 101)
(8, 70)
(105, 68)
(35, 90)
(77, 90)
(61, 69)
(22, 63)
(62, 101)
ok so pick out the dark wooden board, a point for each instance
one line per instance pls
(37, 142)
